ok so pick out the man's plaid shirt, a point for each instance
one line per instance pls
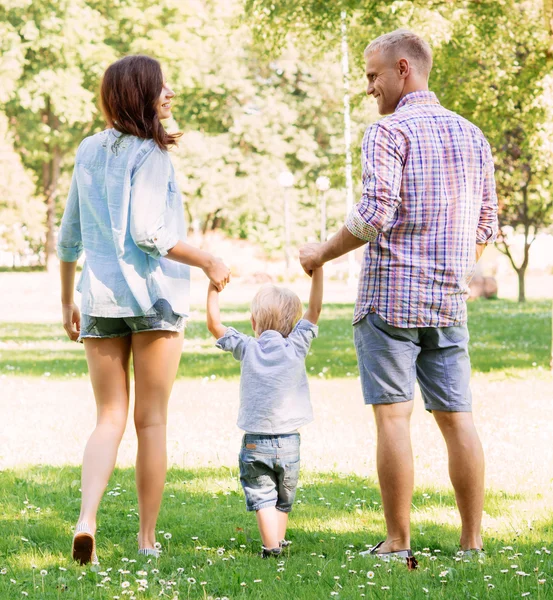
(428, 199)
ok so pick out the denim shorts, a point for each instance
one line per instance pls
(269, 470)
(392, 358)
(111, 327)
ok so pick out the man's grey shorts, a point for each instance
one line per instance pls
(391, 359)
(269, 470)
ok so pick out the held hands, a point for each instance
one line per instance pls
(71, 317)
(310, 258)
(217, 273)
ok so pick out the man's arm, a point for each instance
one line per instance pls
(315, 297)
(488, 225)
(382, 173)
(214, 325)
(314, 256)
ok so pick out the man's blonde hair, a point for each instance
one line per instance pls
(402, 43)
(277, 309)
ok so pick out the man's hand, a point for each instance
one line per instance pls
(310, 257)
(479, 250)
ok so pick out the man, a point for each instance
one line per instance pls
(427, 211)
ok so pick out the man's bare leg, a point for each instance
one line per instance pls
(466, 471)
(394, 457)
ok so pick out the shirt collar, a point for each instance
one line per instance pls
(270, 333)
(420, 97)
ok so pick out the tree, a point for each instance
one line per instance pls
(503, 86)
(57, 49)
(246, 117)
(482, 69)
(22, 219)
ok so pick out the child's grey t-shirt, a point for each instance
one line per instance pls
(274, 393)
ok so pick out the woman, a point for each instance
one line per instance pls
(125, 211)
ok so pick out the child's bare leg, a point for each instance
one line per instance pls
(282, 524)
(269, 526)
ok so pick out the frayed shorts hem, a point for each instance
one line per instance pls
(126, 333)
(261, 505)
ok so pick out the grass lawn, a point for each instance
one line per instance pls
(505, 336)
(213, 545)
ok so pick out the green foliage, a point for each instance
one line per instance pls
(502, 82)
(505, 339)
(492, 64)
(22, 220)
(213, 545)
(246, 115)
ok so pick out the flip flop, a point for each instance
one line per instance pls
(154, 552)
(407, 554)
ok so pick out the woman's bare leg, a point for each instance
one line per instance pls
(156, 356)
(108, 365)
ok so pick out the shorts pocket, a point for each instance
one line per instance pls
(398, 333)
(291, 473)
(250, 466)
(455, 334)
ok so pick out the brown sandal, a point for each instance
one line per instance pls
(84, 545)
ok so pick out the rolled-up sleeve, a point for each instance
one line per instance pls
(235, 342)
(70, 243)
(486, 232)
(302, 335)
(382, 173)
(150, 220)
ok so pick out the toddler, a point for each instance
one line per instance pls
(274, 399)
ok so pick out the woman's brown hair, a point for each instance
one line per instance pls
(129, 95)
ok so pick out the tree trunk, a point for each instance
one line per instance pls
(551, 361)
(548, 14)
(521, 284)
(50, 177)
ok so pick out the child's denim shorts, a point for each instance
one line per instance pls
(269, 470)
(110, 327)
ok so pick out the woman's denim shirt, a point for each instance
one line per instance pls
(125, 211)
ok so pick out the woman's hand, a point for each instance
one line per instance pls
(71, 320)
(218, 273)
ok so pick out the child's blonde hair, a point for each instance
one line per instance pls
(277, 309)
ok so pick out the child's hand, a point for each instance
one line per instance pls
(310, 258)
(316, 296)
(214, 325)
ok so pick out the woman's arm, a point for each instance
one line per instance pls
(214, 268)
(70, 248)
(71, 315)
(216, 328)
(150, 224)
(315, 297)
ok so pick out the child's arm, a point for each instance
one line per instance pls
(216, 328)
(315, 297)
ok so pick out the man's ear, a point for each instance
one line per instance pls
(404, 68)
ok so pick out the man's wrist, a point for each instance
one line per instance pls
(321, 257)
